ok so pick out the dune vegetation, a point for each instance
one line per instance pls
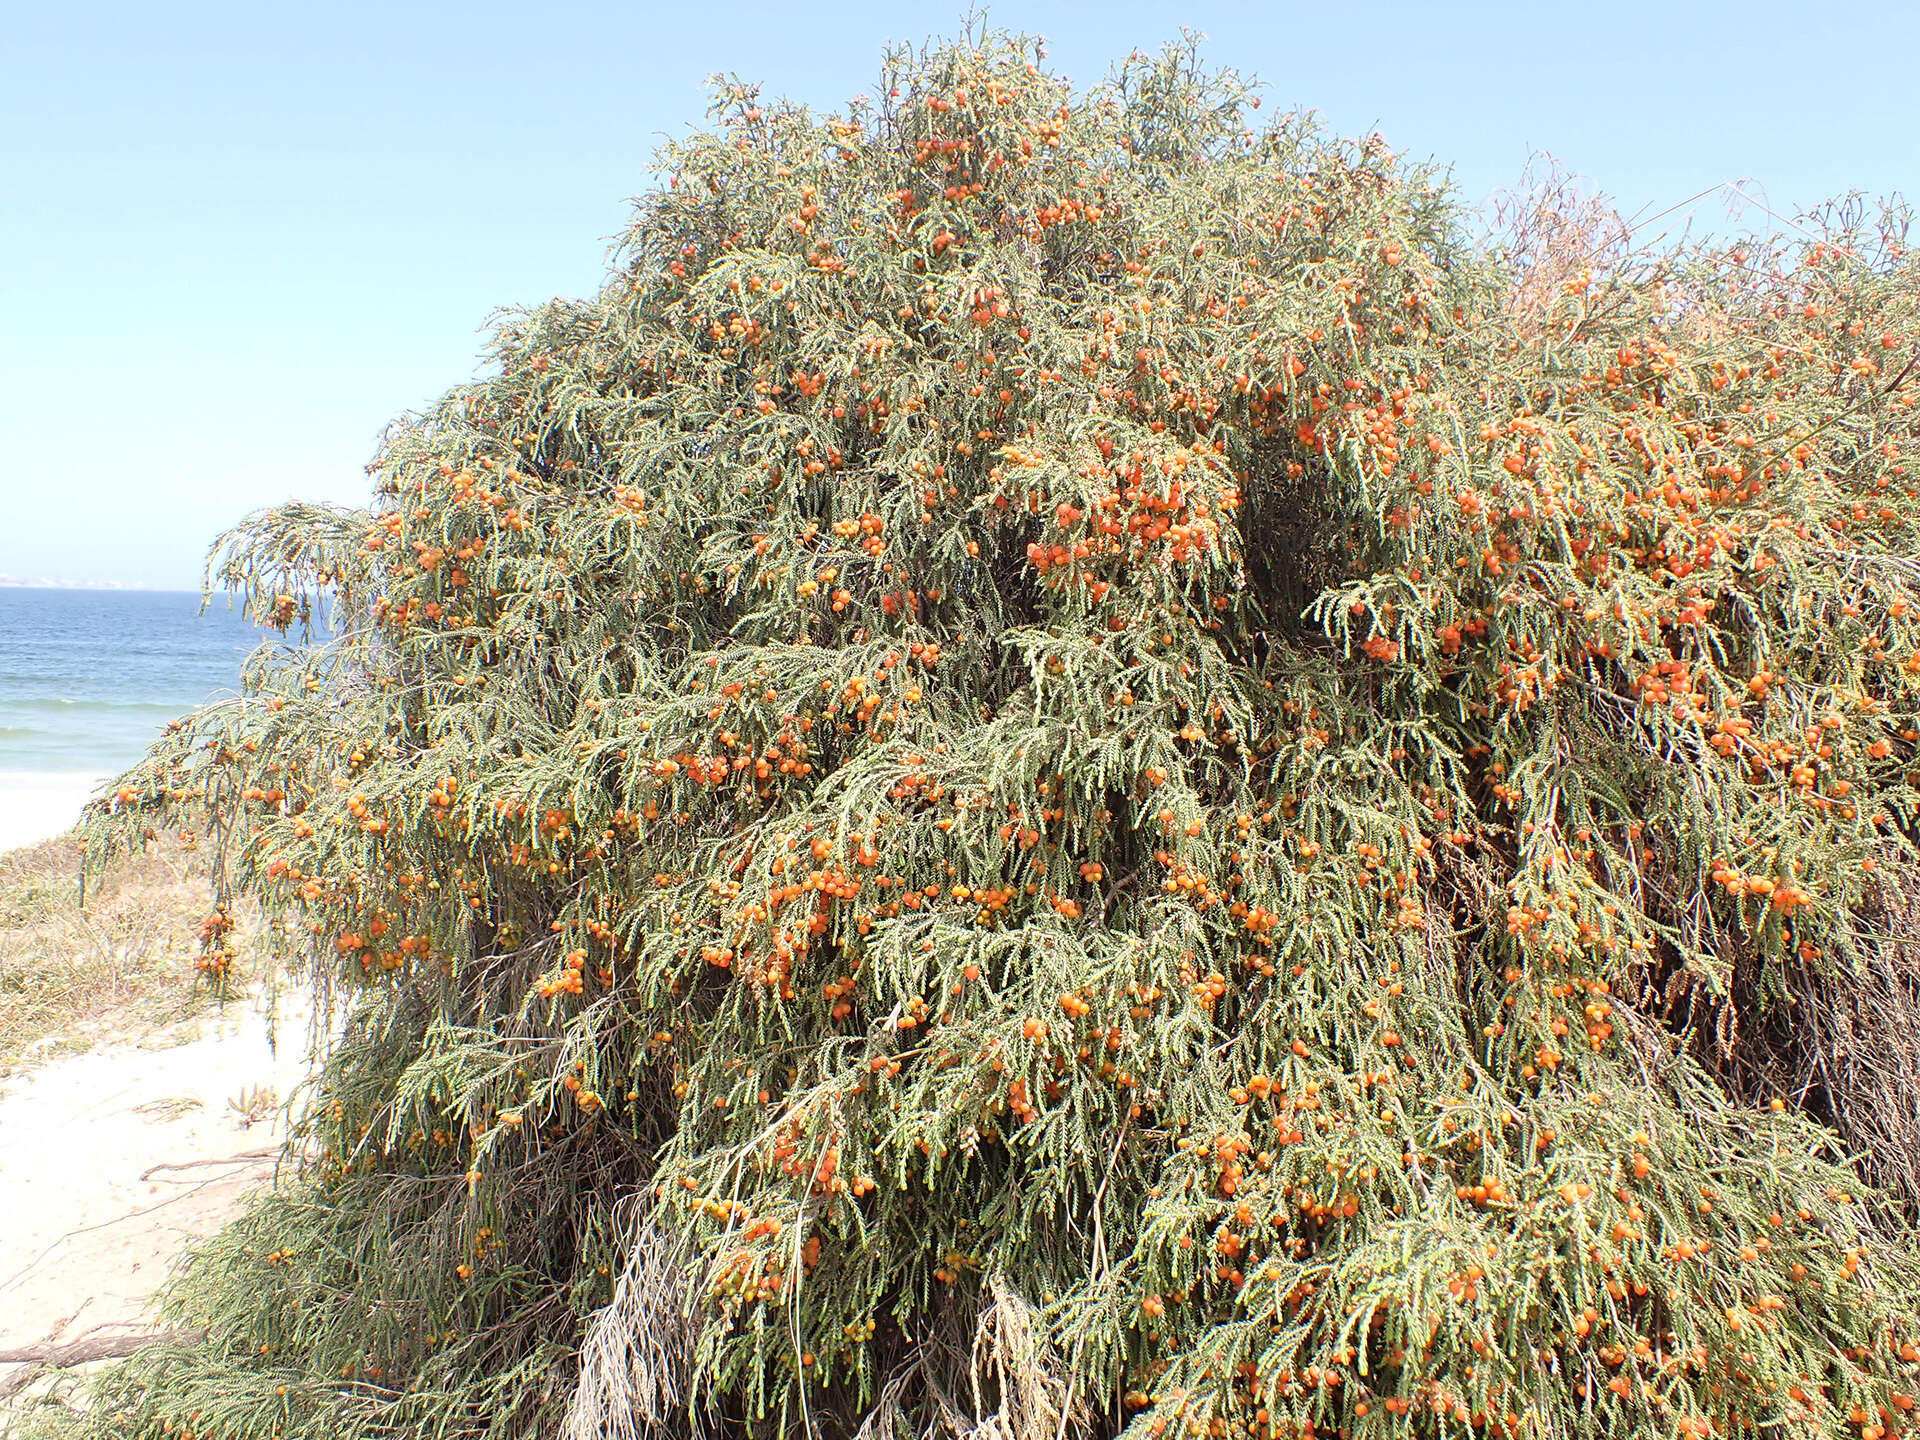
(121, 966)
(1075, 763)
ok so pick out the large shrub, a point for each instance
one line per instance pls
(1067, 766)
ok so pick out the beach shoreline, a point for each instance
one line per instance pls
(36, 806)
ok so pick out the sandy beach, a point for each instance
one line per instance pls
(38, 807)
(135, 1112)
(115, 1159)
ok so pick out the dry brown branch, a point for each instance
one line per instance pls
(1012, 1360)
(1561, 240)
(632, 1364)
(51, 1355)
(245, 1157)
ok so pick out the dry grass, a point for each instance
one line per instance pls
(121, 969)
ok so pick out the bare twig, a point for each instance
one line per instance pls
(245, 1157)
(33, 1264)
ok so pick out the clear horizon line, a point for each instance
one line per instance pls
(102, 586)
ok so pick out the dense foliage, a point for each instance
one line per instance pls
(1070, 766)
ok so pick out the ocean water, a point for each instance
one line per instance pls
(89, 677)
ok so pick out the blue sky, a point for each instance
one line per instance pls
(235, 240)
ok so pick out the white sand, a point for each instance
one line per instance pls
(92, 1227)
(38, 807)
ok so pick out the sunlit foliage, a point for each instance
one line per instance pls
(1059, 765)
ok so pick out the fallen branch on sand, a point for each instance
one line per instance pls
(50, 1355)
(245, 1157)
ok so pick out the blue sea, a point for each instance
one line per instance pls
(89, 677)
